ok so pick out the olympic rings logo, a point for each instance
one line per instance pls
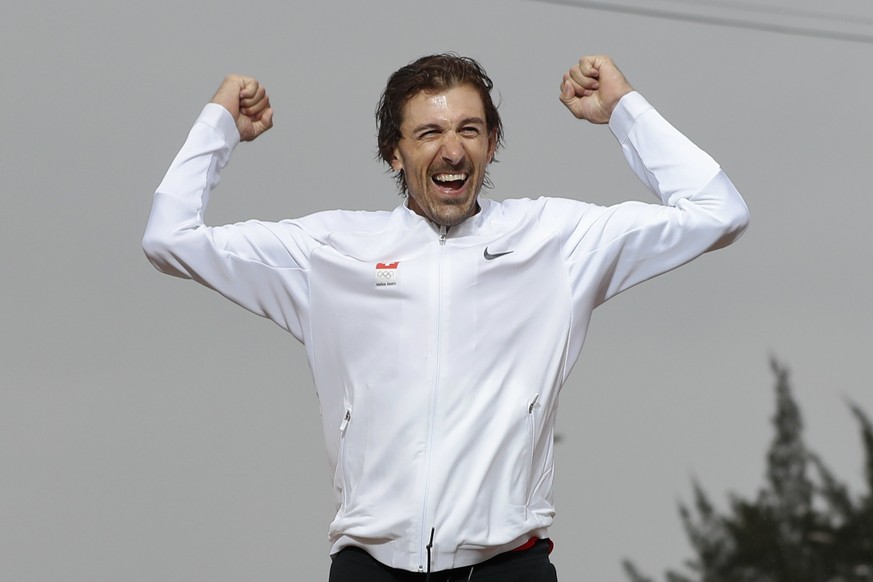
(384, 274)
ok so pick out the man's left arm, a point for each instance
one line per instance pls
(701, 209)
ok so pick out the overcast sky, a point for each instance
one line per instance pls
(150, 430)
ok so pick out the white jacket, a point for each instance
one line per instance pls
(438, 357)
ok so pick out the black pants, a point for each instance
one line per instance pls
(532, 565)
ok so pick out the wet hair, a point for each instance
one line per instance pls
(431, 74)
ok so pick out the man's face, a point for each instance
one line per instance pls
(443, 152)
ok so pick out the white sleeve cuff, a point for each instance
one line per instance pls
(220, 119)
(626, 112)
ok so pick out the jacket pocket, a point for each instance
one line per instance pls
(343, 457)
(533, 407)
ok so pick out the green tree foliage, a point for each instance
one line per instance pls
(804, 525)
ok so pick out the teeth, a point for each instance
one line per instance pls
(449, 177)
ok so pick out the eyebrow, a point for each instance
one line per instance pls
(465, 121)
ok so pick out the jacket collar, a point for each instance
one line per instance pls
(474, 227)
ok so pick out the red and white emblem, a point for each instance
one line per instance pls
(387, 274)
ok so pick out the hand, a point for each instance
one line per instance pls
(592, 89)
(247, 102)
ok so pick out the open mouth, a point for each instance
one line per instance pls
(450, 182)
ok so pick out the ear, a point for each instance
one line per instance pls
(492, 145)
(396, 163)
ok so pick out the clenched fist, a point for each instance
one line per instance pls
(247, 102)
(592, 89)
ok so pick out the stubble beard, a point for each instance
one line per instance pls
(453, 214)
(448, 213)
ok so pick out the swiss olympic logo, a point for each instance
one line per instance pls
(387, 274)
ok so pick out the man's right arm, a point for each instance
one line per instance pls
(258, 265)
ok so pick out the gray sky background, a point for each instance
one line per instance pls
(150, 430)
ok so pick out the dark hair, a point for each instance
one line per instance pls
(432, 74)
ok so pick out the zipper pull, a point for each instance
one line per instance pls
(443, 231)
(429, 547)
(533, 402)
(345, 423)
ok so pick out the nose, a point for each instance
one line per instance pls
(452, 150)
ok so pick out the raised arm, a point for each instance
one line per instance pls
(700, 208)
(259, 265)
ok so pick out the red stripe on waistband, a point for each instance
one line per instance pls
(532, 542)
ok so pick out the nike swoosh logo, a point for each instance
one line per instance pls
(490, 257)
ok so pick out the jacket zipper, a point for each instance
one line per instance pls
(424, 546)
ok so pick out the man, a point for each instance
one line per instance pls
(440, 334)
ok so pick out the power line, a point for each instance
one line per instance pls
(780, 10)
(716, 20)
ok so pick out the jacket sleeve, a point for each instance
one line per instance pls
(611, 249)
(261, 266)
